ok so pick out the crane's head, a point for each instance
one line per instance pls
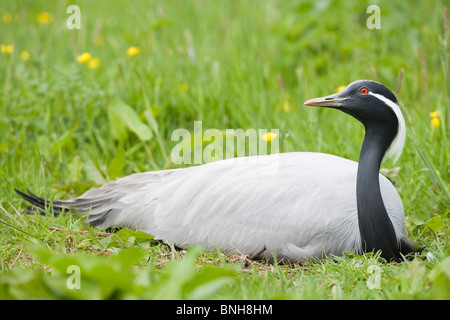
(374, 105)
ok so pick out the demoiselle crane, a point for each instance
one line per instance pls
(314, 205)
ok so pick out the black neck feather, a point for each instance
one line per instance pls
(375, 226)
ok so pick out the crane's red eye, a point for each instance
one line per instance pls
(364, 90)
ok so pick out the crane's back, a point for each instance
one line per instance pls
(298, 205)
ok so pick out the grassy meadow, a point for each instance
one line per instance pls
(81, 107)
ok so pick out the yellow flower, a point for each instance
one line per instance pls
(184, 87)
(436, 122)
(435, 114)
(94, 63)
(286, 106)
(45, 17)
(24, 55)
(132, 51)
(7, 48)
(269, 136)
(83, 58)
(7, 17)
(340, 88)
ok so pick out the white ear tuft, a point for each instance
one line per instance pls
(396, 148)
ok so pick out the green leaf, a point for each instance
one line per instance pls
(435, 224)
(130, 119)
(105, 243)
(116, 126)
(125, 235)
(100, 277)
(117, 164)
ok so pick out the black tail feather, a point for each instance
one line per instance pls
(40, 205)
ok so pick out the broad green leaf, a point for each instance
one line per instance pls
(125, 235)
(435, 223)
(117, 164)
(117, 128)
(100, 277)
(105, 243)
(130, 119)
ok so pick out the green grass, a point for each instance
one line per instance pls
(231, 64)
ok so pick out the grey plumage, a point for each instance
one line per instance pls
(212, 205)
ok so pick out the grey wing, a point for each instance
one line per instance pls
(238, 204)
